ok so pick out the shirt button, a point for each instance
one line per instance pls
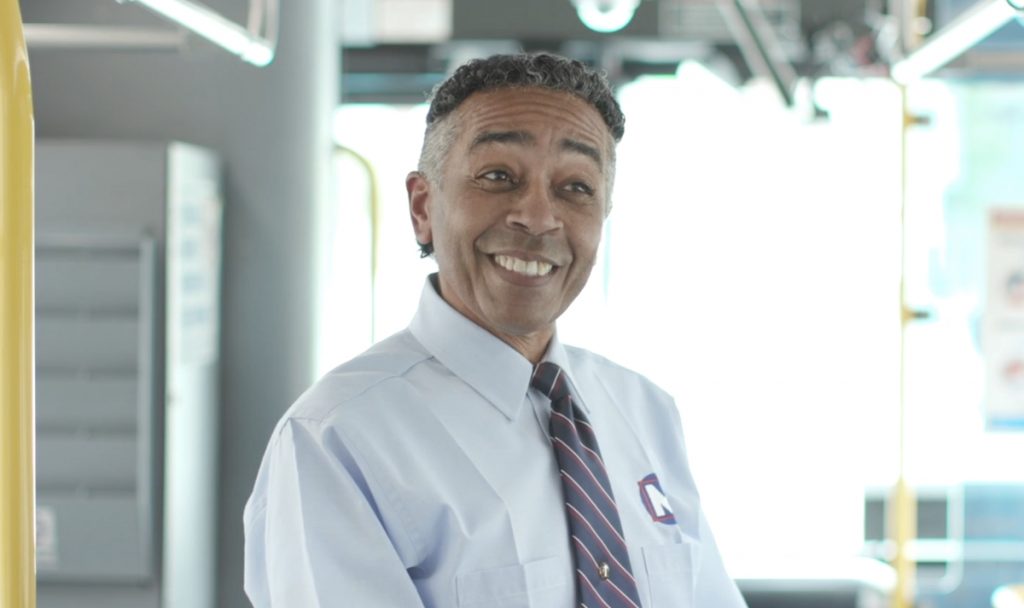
(604, 571)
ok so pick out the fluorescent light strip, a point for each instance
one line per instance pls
(970, 28)
(215, 28)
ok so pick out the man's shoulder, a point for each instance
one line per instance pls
(374, 370)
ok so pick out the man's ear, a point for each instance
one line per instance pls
(418, 188)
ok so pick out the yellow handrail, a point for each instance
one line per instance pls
(903, 510)
(374, 209)
(17, 479)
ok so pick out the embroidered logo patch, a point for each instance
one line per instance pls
(655, 500)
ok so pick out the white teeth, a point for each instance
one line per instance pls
(532, 268)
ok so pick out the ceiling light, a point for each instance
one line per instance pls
(606, 15)
(215, 28)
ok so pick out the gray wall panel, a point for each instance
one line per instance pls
(91, 462)
(100, 283)
(74, 596)
(100, 537)
(87, 343)
(75, 403)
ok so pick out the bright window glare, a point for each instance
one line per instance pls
(389, 137)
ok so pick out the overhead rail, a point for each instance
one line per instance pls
(102, 37)
(963, 33)
(759, 45)
(254, 43)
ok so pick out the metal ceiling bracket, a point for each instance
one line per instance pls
(759, 46)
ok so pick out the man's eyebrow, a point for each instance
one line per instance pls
(502, 137)
(584, 149)
(523, 137)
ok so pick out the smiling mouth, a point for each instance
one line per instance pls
(529, 268)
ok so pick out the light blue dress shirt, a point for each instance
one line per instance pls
(420, 474)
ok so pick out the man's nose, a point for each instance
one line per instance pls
(535, 210)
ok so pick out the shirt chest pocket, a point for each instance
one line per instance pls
(538, 584)
(671, 574)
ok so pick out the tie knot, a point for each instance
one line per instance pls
(549, 379)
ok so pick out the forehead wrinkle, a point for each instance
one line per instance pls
(487, 115)
(503, 137)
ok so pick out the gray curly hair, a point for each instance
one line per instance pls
(542, 70)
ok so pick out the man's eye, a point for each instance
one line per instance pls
(580, 188)
(497, 176)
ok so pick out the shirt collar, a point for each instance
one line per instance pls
(482, 360)
(493, 368)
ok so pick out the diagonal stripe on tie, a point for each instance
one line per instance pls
(569, 453)
(587, 592)
(582, 548)
(592, 458)
(590, 511)
(586, 530)
(604, 575)
(604, 593)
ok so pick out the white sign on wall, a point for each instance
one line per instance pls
(1004, 320)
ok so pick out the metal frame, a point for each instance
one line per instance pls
(62, 36)
(147, 455)
(963, 33)
(759, 45)
(971, 27)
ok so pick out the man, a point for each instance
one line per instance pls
(474, 460)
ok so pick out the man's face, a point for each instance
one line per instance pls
(517, 218)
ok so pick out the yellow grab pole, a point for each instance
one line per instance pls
(903, 508)
(17, 478)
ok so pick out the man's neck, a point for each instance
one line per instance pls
(532, 346)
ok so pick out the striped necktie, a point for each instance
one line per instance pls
(604, 578)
